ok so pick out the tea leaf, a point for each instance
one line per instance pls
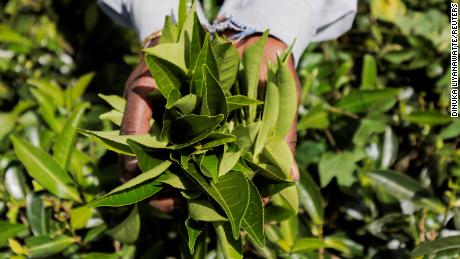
(10, 230)
(75, 92)
(239, 101)
(277, 152)
(165, 78)
(202, 210)
(230, 157)
(253, 219)
(44, 246)
(169, 33)
(308, 244)
(365, 100)
(230, 247)
(65, 141)
(269, 118)
(252, 58)
(113, 141)
(194, 229)
(189, 129)
(128, 230)
(435, 246)
(45, 170)
(206, 57)
(287, 99)
(136, 189)
(405, 188)
(228, 60)
(214, 102)
(145, 159)
(310, 198)
(223, 192)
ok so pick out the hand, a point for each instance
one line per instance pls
(136, 120)
(274, 47)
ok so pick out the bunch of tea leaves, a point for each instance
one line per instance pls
(211, 138)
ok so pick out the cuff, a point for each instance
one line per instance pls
(287, 21)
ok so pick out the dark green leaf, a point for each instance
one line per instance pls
(65, 141)
(194, 229)
(435, 246)
(223, 192)
(45, 170)
(135, 190)
(128, 230)
(253, 219)
(405, 188)
(9, 230)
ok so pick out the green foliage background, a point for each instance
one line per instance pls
(377, 149)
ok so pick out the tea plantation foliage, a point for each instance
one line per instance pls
(377, 151)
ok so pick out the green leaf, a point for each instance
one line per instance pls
(238, 101)
(194, 229)
(9, 230)
(47, 109)
(128, 230)
(230, 157)
(403, 187)
(146, 160)
(165, 76)
(189, 129)
(277, 152)
(214, 102)
(340, 165)
(182, 13)
(206, 57)
(287, 198)
(431, 118)
(65, 141)
(197, 40)
(215, 139)
(186, 104)
(228, 60)
(113, 116)
(451, 131)
(74, 93)
(287, 99)
(268, 170)
(115, 101)
(368, 100)
(172, 52)
(202, 210)
(252, 58)
(113, 141)
(49, 89)
(45, 170)
(44, 246)
(209, 164)
(253, 219)
(79, 217)
(435, 246)
(223, 192)
(169, 33)
(269, 118)
(37, 215)
(369, 73)
(307, 244)
(310, 198)
(135, 190)
(316, 118)
(231, 248)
